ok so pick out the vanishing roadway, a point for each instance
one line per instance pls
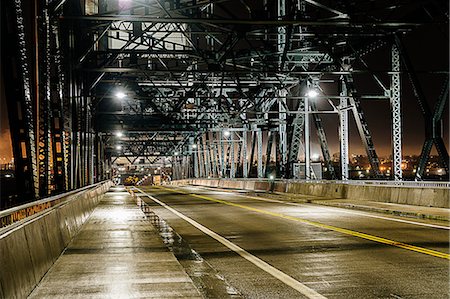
(272, 249)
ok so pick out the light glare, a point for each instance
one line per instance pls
(312, 93)
(120, 95)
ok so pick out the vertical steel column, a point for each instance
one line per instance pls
(396, 114)
(222, 155)
(268, 152)
(193, 153)
(201, 160)
(259, 153)
(343, 130)
(307, 142)
(297, 133)
(232, 156)
(281, 40)
(244, 154)
(207, 154)
(216, 154)
(282, 132)
(44, 108)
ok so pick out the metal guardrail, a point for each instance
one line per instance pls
(15, 214)
(410, 184)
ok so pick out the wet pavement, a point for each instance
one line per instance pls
(117, 254)
(335, 252)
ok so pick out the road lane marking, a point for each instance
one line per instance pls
(283, 277)
(321, 225)
(341, 209)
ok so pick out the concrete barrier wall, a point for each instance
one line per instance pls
(30, 247)
(421, 196)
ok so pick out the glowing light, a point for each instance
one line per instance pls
(312, 93)
(226, 133)
(176, 153)
(120, 95)
(118, 147)
(194, 146)
(119, 134)
(271, 177)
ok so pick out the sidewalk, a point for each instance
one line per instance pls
(117, 254)
(420, 212)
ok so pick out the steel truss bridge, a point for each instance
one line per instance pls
(210, 85)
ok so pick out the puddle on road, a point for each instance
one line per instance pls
(209, 282)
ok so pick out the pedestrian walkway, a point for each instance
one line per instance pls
(433, 213)
(117, 254)
(413, 211)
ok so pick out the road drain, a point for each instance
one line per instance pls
(209, 282)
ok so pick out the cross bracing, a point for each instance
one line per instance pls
(189, 71)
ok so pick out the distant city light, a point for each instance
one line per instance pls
(312, 93)
(120, 95)
(119, 134)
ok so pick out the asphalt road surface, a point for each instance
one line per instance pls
(272, 249)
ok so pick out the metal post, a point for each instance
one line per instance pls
(396, 114)
(259, 153)
(193, 152)
(307, 142)
(343, 131)
(201, 158)
(222, 155)
(232, 156)
(244, 154)
(207, 155)
(282, 131)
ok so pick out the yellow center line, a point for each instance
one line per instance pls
(321, 225)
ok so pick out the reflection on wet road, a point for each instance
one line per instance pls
(294, 251)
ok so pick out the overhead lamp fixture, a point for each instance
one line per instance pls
(120, 95)
(312, 93)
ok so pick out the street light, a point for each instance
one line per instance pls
(312, 93)
(120, 95)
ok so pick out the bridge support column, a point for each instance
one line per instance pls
(343, 131)
(396, 114)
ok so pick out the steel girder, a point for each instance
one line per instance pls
(198, 66)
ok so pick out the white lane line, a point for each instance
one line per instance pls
(344, 211)
(283, 277)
